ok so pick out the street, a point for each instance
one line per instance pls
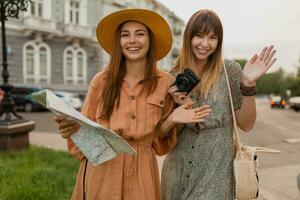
(275, 128)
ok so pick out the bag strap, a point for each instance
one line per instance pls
(236, 139)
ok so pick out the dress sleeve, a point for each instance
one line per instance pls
(88, 110)
(234, 71)
(163, 145)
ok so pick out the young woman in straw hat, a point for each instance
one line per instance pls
(130, 96)
(200, 166)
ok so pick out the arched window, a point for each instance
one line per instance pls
(74, 65)
(37, 64)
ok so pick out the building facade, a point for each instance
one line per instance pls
(53, 44)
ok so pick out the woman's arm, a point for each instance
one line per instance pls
(253, 70)
(246, 115)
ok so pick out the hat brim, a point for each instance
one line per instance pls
(107, 27)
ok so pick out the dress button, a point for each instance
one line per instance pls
(192, 147)
(131, 138)
(161, 102)
(190, 162)
(133, 117)
(188, 176)
(132, 97)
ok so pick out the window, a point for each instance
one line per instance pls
(74, 12)
(36, 63)
(74, 65)
(69, 66)
(37, 8)
(80, 68)
(43, 64)
(30, 62)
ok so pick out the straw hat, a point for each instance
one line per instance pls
(107, 27)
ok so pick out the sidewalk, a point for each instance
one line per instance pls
(275, 183)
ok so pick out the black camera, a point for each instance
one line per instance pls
(186, 81)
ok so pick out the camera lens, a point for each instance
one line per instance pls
(183, 84)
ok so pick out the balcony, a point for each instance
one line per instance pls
(34, 24)
(78, 31)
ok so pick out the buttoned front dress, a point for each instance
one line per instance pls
(200, 167)
(127, 177)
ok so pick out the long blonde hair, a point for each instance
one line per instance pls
(116, 72)
(203, 21)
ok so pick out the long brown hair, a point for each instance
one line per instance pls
(202, 22)
(116, 72)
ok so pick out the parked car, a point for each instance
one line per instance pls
(70, 98)
(294, 103)
(278, 101)
(23, 100)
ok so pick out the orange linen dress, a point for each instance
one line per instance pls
(127, 177)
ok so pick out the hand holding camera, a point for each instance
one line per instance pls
(184, 84)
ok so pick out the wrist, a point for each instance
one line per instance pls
(170, 121)
(248, 83)
(248, 90)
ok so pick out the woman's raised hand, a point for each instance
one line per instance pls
(258, 65)
(66, 126)
(185, 114)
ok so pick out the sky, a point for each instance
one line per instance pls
(249, 25)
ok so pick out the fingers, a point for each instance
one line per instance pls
(59, 118)
(253, 59)
(201, 113)
(197, 120)
(202, 108)
(189, 104)
(267, 53)
(179, 97)
(262, 53)
(66, 127)
(271, 63)
(202, 117)
(69, 130)
(270, 58)
(172, 89)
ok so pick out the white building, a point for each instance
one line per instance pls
(53, 44)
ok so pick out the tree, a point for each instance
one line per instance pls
(242, 62)
(272, 83)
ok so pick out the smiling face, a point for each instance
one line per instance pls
(134, 41)
(203, 45)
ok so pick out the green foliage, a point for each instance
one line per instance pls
(293, 84)
(272, 83)
(37, 174)
(242, 62)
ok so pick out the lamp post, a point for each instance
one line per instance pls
(13, 128)
(9, 8)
